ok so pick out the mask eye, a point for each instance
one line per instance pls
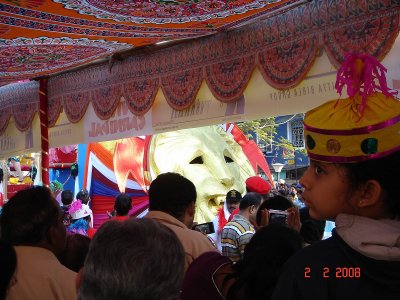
(228, 159)
(197, 161)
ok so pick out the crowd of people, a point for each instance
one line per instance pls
(267, 243)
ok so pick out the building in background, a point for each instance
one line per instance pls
(289, 127)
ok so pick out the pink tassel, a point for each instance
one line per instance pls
(362, 81)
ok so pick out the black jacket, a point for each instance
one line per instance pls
(330, 269)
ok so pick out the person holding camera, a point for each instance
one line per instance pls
(278, 209)
(255, 184)
(215, 277)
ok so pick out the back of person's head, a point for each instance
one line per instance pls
(67, 197)
(123, 204)
(78, 210)
(273, 242)
(311, 230)
(277, 202)
(264, 256)
(27, 217)
(171, 193)
(137, 259)
(83, 195)
(8, 265)
(249, 200)
(75, 252)
(257, 184)
(81, 216)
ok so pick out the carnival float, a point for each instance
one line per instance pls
(215, 158)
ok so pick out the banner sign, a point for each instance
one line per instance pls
(14, 142)
(206, 110)
(259, 100)
(122, 124)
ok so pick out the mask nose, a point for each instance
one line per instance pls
(228, 182)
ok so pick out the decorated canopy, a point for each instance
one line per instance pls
(42, 37)
(227, 43)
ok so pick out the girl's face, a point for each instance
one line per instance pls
(326, 191)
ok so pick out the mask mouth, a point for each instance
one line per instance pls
(207, 210)
(215, 202)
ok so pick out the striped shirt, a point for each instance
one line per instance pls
(235, 236)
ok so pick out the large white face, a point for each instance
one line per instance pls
(209, 157)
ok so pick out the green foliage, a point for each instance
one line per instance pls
(265, 129)
(74, 170)
(284, 143)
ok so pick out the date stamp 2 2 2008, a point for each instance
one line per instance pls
(338, 272)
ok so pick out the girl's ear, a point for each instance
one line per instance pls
(370, 194)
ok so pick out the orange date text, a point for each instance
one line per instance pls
(338, 272)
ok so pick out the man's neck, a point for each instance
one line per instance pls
(245, 214)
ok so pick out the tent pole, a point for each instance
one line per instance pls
(44, 131)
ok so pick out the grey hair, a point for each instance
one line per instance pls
(139, 259)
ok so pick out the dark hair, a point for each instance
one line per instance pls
(75, 252)
(171, 193)
(311, 230)
(8, 263)
(250, 199)
(277, 202)
(233, 196)
(28, 215)
(83, 195)
(137, 259)
(264, 256)
(66, 197)
(123, 203)
(385, 170)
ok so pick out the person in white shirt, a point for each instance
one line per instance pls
(232, 201)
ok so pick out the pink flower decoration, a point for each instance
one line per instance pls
(75, 206)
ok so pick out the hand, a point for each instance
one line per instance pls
(293, 219)
(194, 225)
(110, 214)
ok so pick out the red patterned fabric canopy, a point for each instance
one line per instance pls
(283, 47)
(41, 37)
